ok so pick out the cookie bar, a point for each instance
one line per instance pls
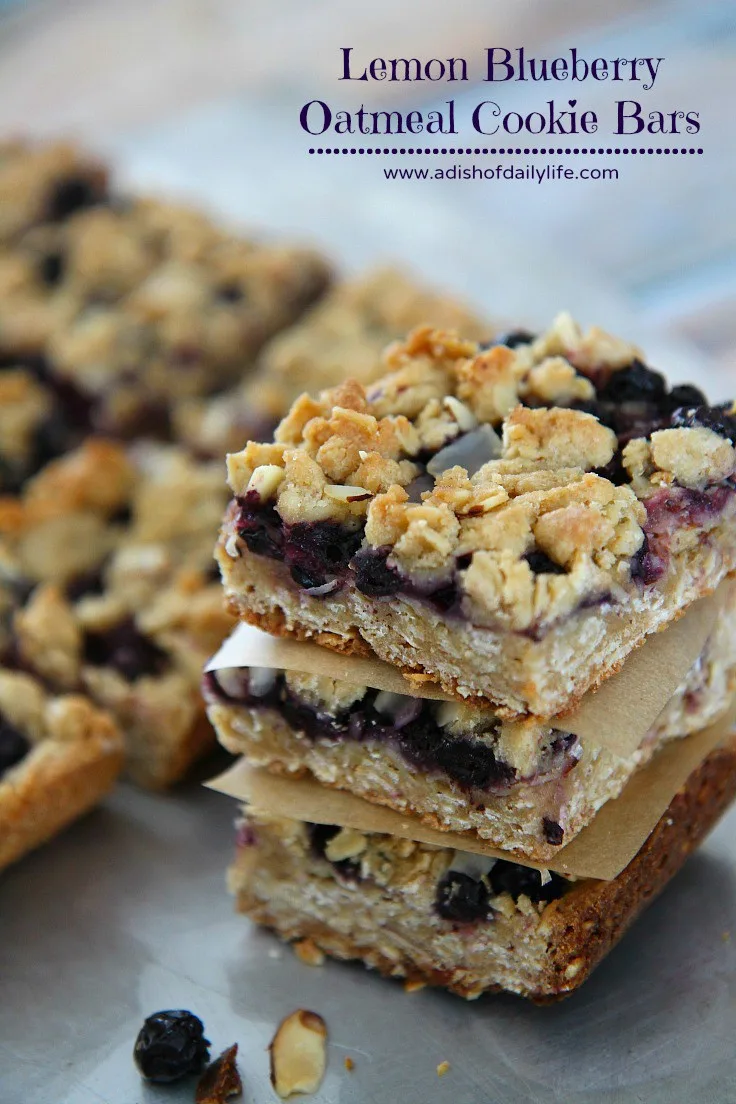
(526, 786)
(58, 757)
(461, 921)
(342, 336)
(510, 522)
(126, 308)
(105, 564)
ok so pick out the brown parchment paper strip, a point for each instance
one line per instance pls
(617, 715)
(601, 850)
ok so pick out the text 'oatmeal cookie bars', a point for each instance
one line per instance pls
(510, 522)
(527, 786)
(464, 922)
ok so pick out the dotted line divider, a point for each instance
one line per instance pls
(502, 150)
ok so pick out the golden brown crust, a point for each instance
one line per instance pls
(61, 778)
(590, 920)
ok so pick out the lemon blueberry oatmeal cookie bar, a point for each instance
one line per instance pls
(59, 755)
(125, 309)
(110, 590)
(464, 922)
(527, 786)
(342, 336)
(510, 522)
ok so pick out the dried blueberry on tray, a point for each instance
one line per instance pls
(171, 1045)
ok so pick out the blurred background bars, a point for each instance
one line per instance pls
(202, 96)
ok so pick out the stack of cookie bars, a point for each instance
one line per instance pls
(508, 522)
(138, 341)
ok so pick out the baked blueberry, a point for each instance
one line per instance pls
(14, 746)
(127, 650)
(462, 898)
(541, 564)
(70, 195)
(373, 576)
(553, 832)
(718, 418)
(260, 526)
(230, 293)
(51, 269)
(512, 338)
(513, 878)
(171, 1045)
(635, 382)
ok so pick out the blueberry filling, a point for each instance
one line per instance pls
(552, 831)
(634, 402)
(373, 576)
(512, 878)
(635, 383)
(51, 269)
(647, 565)
(259, 525)
(462, 899)
(466, 900)
(230, 293)
(70, 195)
(127, 650)
(316, 552)
(716, 418)
(412, 730)
(70, 420)
(541, 564)
(319, 836)
(511, 339)
(666, 509)
(14, 746)
(88, 584)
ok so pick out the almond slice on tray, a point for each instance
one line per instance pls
(298, 1053)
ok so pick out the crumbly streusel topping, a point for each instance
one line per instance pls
(520, 466)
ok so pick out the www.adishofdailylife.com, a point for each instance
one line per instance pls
(501, 172)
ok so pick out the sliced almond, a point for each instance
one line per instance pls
(265, 480)
(309, 953)
(346, 494)
(462, 414)
(298, 1054)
